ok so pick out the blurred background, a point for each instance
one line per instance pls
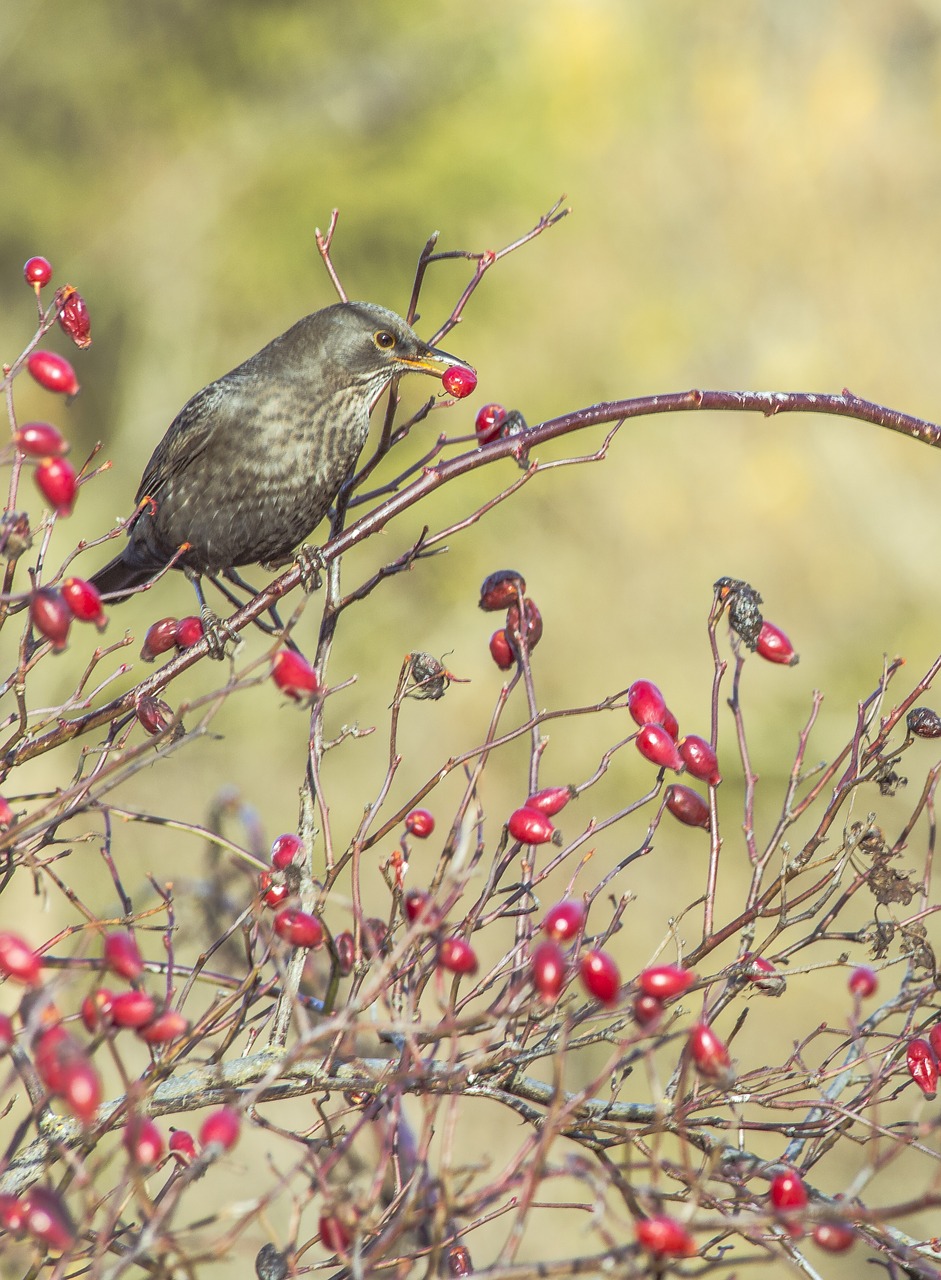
(755, 191)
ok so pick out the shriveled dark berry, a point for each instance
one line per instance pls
(742, 601)
(501, 589)
(922, 722)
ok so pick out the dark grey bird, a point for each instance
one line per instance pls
(251, 464)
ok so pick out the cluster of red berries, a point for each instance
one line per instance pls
(55, 476)
(171, 633)
(659, 742)
(52, 610)
(293, 925)
(506, 589)
(549, 963)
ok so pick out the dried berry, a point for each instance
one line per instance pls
(271, 1263)
(529, 826)
(489, 423)
(459, 382)
(500, 650)
(58, 484)
(53, 372)
(155, 715)
(565, 920)
(515, 630)
(40, 440)
(37, 272)
(501, 589)
(73, 315)
(687, 806)
(294, 675)
(84, 601)
(600, 976)
(700, 759)
(548, 968)
(763, 975)
(428, 678)
(419, 823)
(774, 646)
(656, 745)
(742, 601)
(345, 951)
(15, 535)
(333, 1234)
(922, 722)
(457, 956)
(459, 1261)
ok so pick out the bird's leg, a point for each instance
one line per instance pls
(311, 563)
(276, 627)
(218, 635)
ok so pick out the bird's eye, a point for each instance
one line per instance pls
(384, 339)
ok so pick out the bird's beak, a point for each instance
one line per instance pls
(434, 361)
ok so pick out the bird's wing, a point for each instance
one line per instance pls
(187, 437)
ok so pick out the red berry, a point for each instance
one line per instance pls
(646, 703)
(548, 968)
(647, 1010)
(375, 936)
(84, 601)
(221, 1127)
(700, 759)
(54, 1049)
(664, 1237)
(53, 372)
(122, 956)
(419, 823)
(166, 1026)
(459, 382)
(189, 631)
(80, 1087)
(298, 927)
(12, 1214)
(154, 714)
(656, 745)
(457, 956)
(56, 481)
(774, 646)
(514, 630)
(142, 1141)
(73, 315)
(96, 1009)
(687, 806)
(285, 851)
(709, 1054)
(788, 1191)
(181, 1144)
(665, 981)
(294, 675)
(47, 1219)
(132, 1009)
(501, 589)
(600, 976)
(40, 440)
(863, 982)
(417, 902)
(489, 422)
(671, 724)
(459, 1261)
(565, 919)
(333, 1233)
(19, 961)
(6, 814)
(763, 974)
(923, 1067)
(934, 1040)
(6, 1033)
(835, 1237)
(551, 800)
(38, 272)
(273, 892)
(529, 826)
(160, 638)
(51, 616)
(500, 650)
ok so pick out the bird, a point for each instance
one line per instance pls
(252, 463)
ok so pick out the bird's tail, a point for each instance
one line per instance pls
(118, 579)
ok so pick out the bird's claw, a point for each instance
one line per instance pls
(311, 564)
(217, 634)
